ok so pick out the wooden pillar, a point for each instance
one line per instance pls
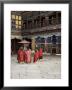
(27, 24)
(52, 21)
(47, 20)
(43, 22)
(32, 26)
(45, 45)
(40, 21)
(33, 43)
(36, 23)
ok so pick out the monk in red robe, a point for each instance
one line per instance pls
(40, 53)
(28, 55)
(20, 56)
(36, 56)
(24, 55)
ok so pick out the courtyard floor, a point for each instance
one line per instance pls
(47, 68)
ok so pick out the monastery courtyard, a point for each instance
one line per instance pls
(47, 68)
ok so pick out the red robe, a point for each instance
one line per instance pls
(28, 56)
(20, 57)
(36, 56)
(24, 56)
(40, 52)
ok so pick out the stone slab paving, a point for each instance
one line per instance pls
(47, 68)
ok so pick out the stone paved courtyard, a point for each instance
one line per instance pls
(47, 68)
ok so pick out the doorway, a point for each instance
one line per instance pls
(53, 50)
(15, 45)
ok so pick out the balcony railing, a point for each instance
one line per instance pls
(44, 23)
(45, 28)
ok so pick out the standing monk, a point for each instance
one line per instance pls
(20, 56)
(36, 55)
(40, 53)
(24, 55)
(28, 55)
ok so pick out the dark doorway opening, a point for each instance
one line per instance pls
(53, 50)
(15, 45)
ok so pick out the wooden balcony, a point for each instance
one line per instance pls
(51, 28)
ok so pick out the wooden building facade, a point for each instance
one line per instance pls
(41, 28)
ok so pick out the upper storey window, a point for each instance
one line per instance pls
(13, 16)
(19, 17)
(16, 17)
